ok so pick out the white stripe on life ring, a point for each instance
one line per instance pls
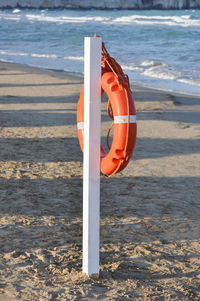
(80, 125)
(124, 119)
(117, 119)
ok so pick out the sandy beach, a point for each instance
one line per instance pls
(150, 212)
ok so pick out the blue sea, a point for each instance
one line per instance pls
(156, 48)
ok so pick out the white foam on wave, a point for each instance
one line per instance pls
(53, 56)
(5, 52)
(38, 55)
(160, 70)
(155, 69)
(148, 62)
(6, 61)
(10, 18)
(15, 11)
(189, 81)
(131, 68)
(184, 21)
(41, 55)
(74, 58)
(159, 74)
(66, 19)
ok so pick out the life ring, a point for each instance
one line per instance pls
(122, 111)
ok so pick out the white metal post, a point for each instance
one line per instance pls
(91, 157)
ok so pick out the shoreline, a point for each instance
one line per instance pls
(79, 75)
(150, 214)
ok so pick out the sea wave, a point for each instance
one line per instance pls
(66, 19)
(17, 15)
(184, 21)
(189, 81)
(74, 58)
(53, 56)
(148, 62)
(41, 55)
(15, 11)
(160, 74)
(10, 18)
(158, 69)
(44, 16)
(5, 52)
(26, 54)
(131, 68)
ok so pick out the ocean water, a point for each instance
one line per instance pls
(155, 48)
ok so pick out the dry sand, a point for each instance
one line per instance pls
(150, 212)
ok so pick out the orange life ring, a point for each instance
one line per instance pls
(125, 127)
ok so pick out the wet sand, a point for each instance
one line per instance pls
(150, 212)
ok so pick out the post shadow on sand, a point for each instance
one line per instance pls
(169, 115)
(12, 99)
(40, 149)
(37, 85)
(37, 118)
